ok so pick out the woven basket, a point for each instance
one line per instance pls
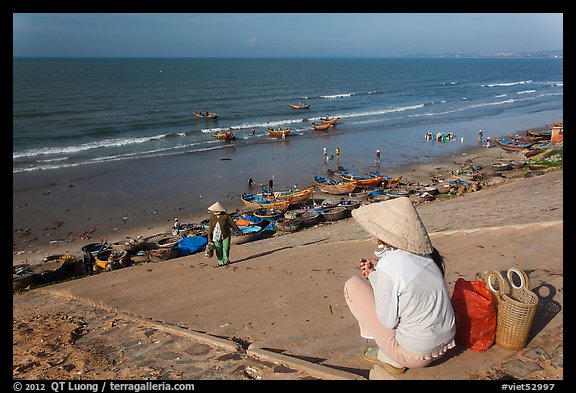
(516, 308)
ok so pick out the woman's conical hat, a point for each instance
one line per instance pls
(217, 207)
(397, 223)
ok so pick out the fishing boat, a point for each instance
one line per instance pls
(321, 127)
(501, 166)
(363, 181)
(328, 120)
(269, 214)
(259, 201)
(526, 138)
(287, 224)
(311, 217)
(397, 193)
(228, 135)
(254, 231)
(245, 220)
(95, 248)
(300, 106)
(296, 197)
(22, 277)
(546, 135)
(391, 182)
(279, 132)
(351, 205)
(517, 164)
(110, 259)
(387, 181)
(53, 268)
(205, 115)
(333, 187)
(168, 241)
(424, 196)
(336, 213)
(508, 145)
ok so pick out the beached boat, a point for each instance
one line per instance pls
(289, 224)
(424, 196)
(269, 214)
(205, 115)
(311, 217)
(132, 246)
(168, 241)
(501, 166)
(336, 213)
(546, 135)
(110, 259)
(526, 138)
(328, 120)
(22, 277)
(95, 248)
(508, 145)
(228, 135)
(279, 132)
(397, 193)
(259, 201)
(351, 205)
(387, 181)
(333, 187)
(254, 231)
(53, 268)
(296, 197)
(391, 182)
(300, 106)
(517, 164)
(321, 127)
(363, 181)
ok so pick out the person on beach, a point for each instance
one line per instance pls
(176, 227)
(89, 261)
(488, 140)
(405, 305)
(377, 155)
(220, 227)
(480, 135)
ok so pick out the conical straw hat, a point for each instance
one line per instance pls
(217, 207)
(395, 222)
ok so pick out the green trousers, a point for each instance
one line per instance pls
(222, 249)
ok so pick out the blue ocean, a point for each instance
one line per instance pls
(74, 112)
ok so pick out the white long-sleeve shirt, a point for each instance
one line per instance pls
(411, 296)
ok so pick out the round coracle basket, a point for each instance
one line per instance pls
(289, 224)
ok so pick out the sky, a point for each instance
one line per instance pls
(281, 34)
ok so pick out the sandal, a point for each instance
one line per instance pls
(371, 354)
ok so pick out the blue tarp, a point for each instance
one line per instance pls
(191, 245)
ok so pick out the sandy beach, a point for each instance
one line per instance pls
(280, 292)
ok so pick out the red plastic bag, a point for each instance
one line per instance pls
(476, 314)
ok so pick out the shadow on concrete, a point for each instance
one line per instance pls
(546, 310)
(318, 360)
(265, 253)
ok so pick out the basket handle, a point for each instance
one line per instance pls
(521, 275)
(501, 283)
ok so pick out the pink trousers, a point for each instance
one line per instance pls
(360, 298)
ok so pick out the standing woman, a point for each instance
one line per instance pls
(220, 229)
(402, 302)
